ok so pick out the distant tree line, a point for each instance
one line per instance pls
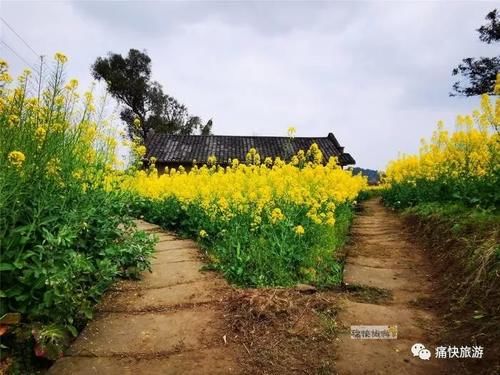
(372, 175)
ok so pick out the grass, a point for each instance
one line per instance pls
(463, 243)
(270, 256)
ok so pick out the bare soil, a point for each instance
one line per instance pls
(283, 331)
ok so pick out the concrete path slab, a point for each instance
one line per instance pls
(206, 361)
(167, 274)
(177, 255)
(163, 298)
(381, 257)
(175, 245)
(169, 322)
(140, 334)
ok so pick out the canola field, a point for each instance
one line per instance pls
(262, 223)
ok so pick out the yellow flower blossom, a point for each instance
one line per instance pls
(470, 151)
(263, 194)
(71, 85)
(60, 58)
(140, 150)
(40, 133)
(277, 215)
(212, 160)
(53, 167)
(16, 158)
(13, 120)
(299, 230)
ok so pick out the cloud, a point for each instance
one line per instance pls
(375, 74)
(271, 17)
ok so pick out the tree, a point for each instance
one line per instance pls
(480, 74)
(128, 80)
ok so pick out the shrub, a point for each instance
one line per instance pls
(463, 166)
(64, 236)
(262, 224)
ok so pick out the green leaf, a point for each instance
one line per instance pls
(22, 297)
(88, 313)
(72, 330)
(7, 267)
(14, 291)
(48, 298)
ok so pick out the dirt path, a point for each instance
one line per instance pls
(170, 322)
(394, 279)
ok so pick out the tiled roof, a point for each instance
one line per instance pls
(183, 149)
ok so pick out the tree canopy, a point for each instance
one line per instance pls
(479, 74)
(129, 81)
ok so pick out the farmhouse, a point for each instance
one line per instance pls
(173, 151)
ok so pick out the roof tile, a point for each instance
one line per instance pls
(184, 149)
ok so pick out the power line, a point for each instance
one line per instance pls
(38, 71)
(19, 36)
(19, 56)
(35, 70)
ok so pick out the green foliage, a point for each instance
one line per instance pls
(370, 192)
(64, 237)
(480, 74)
(462, 222)
(128, 80)
(463, 245)
(267, 255)
(490, 32)
(50, 341)
(372, 175)
(471, 192)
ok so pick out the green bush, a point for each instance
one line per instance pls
(471, 192)
(64, 235)
(269, 255)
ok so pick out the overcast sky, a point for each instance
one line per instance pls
(376, 74)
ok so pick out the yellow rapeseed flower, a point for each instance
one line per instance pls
(72, 85)
(40, 133)
(212, 160)
(16, 158)
(140, 150)
(299, 230)
(223, 194)
(13, 120)
(5, 77)
(60, 58)
(470, 151)
(277, 215)
(53, 167)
